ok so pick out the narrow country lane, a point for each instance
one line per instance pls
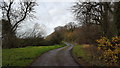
(57, 57)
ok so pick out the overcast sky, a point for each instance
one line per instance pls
(51, 15)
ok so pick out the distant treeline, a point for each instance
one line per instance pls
(72, 32)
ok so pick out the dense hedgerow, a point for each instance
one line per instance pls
(111, 50)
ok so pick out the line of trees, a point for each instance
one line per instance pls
(95, 19)
(72, 32)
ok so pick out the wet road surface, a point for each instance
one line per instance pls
(56, 57)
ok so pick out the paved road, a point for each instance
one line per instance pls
(57, 57)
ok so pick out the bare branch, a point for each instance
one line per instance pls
(27, 10)
(8, 11)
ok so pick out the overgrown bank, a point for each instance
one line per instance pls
(87, 55)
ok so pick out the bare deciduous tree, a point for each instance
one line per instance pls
(98, 13)
(14, 13)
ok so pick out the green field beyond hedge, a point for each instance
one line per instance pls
(24, 56)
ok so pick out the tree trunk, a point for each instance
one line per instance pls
(8, 36)
(117, 16)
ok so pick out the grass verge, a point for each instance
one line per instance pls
(24, 56)
(86, 55)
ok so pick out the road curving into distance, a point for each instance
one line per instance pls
(56, 57)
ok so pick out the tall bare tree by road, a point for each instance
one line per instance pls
(13, 15)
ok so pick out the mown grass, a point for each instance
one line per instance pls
(24, 56)
(86, 55)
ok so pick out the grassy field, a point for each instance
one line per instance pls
(86, 55)
(24, 56)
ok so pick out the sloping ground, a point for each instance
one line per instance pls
(57, 57)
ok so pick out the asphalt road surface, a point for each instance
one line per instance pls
(56, 57)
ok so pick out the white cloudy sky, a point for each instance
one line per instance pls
(51, 15)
